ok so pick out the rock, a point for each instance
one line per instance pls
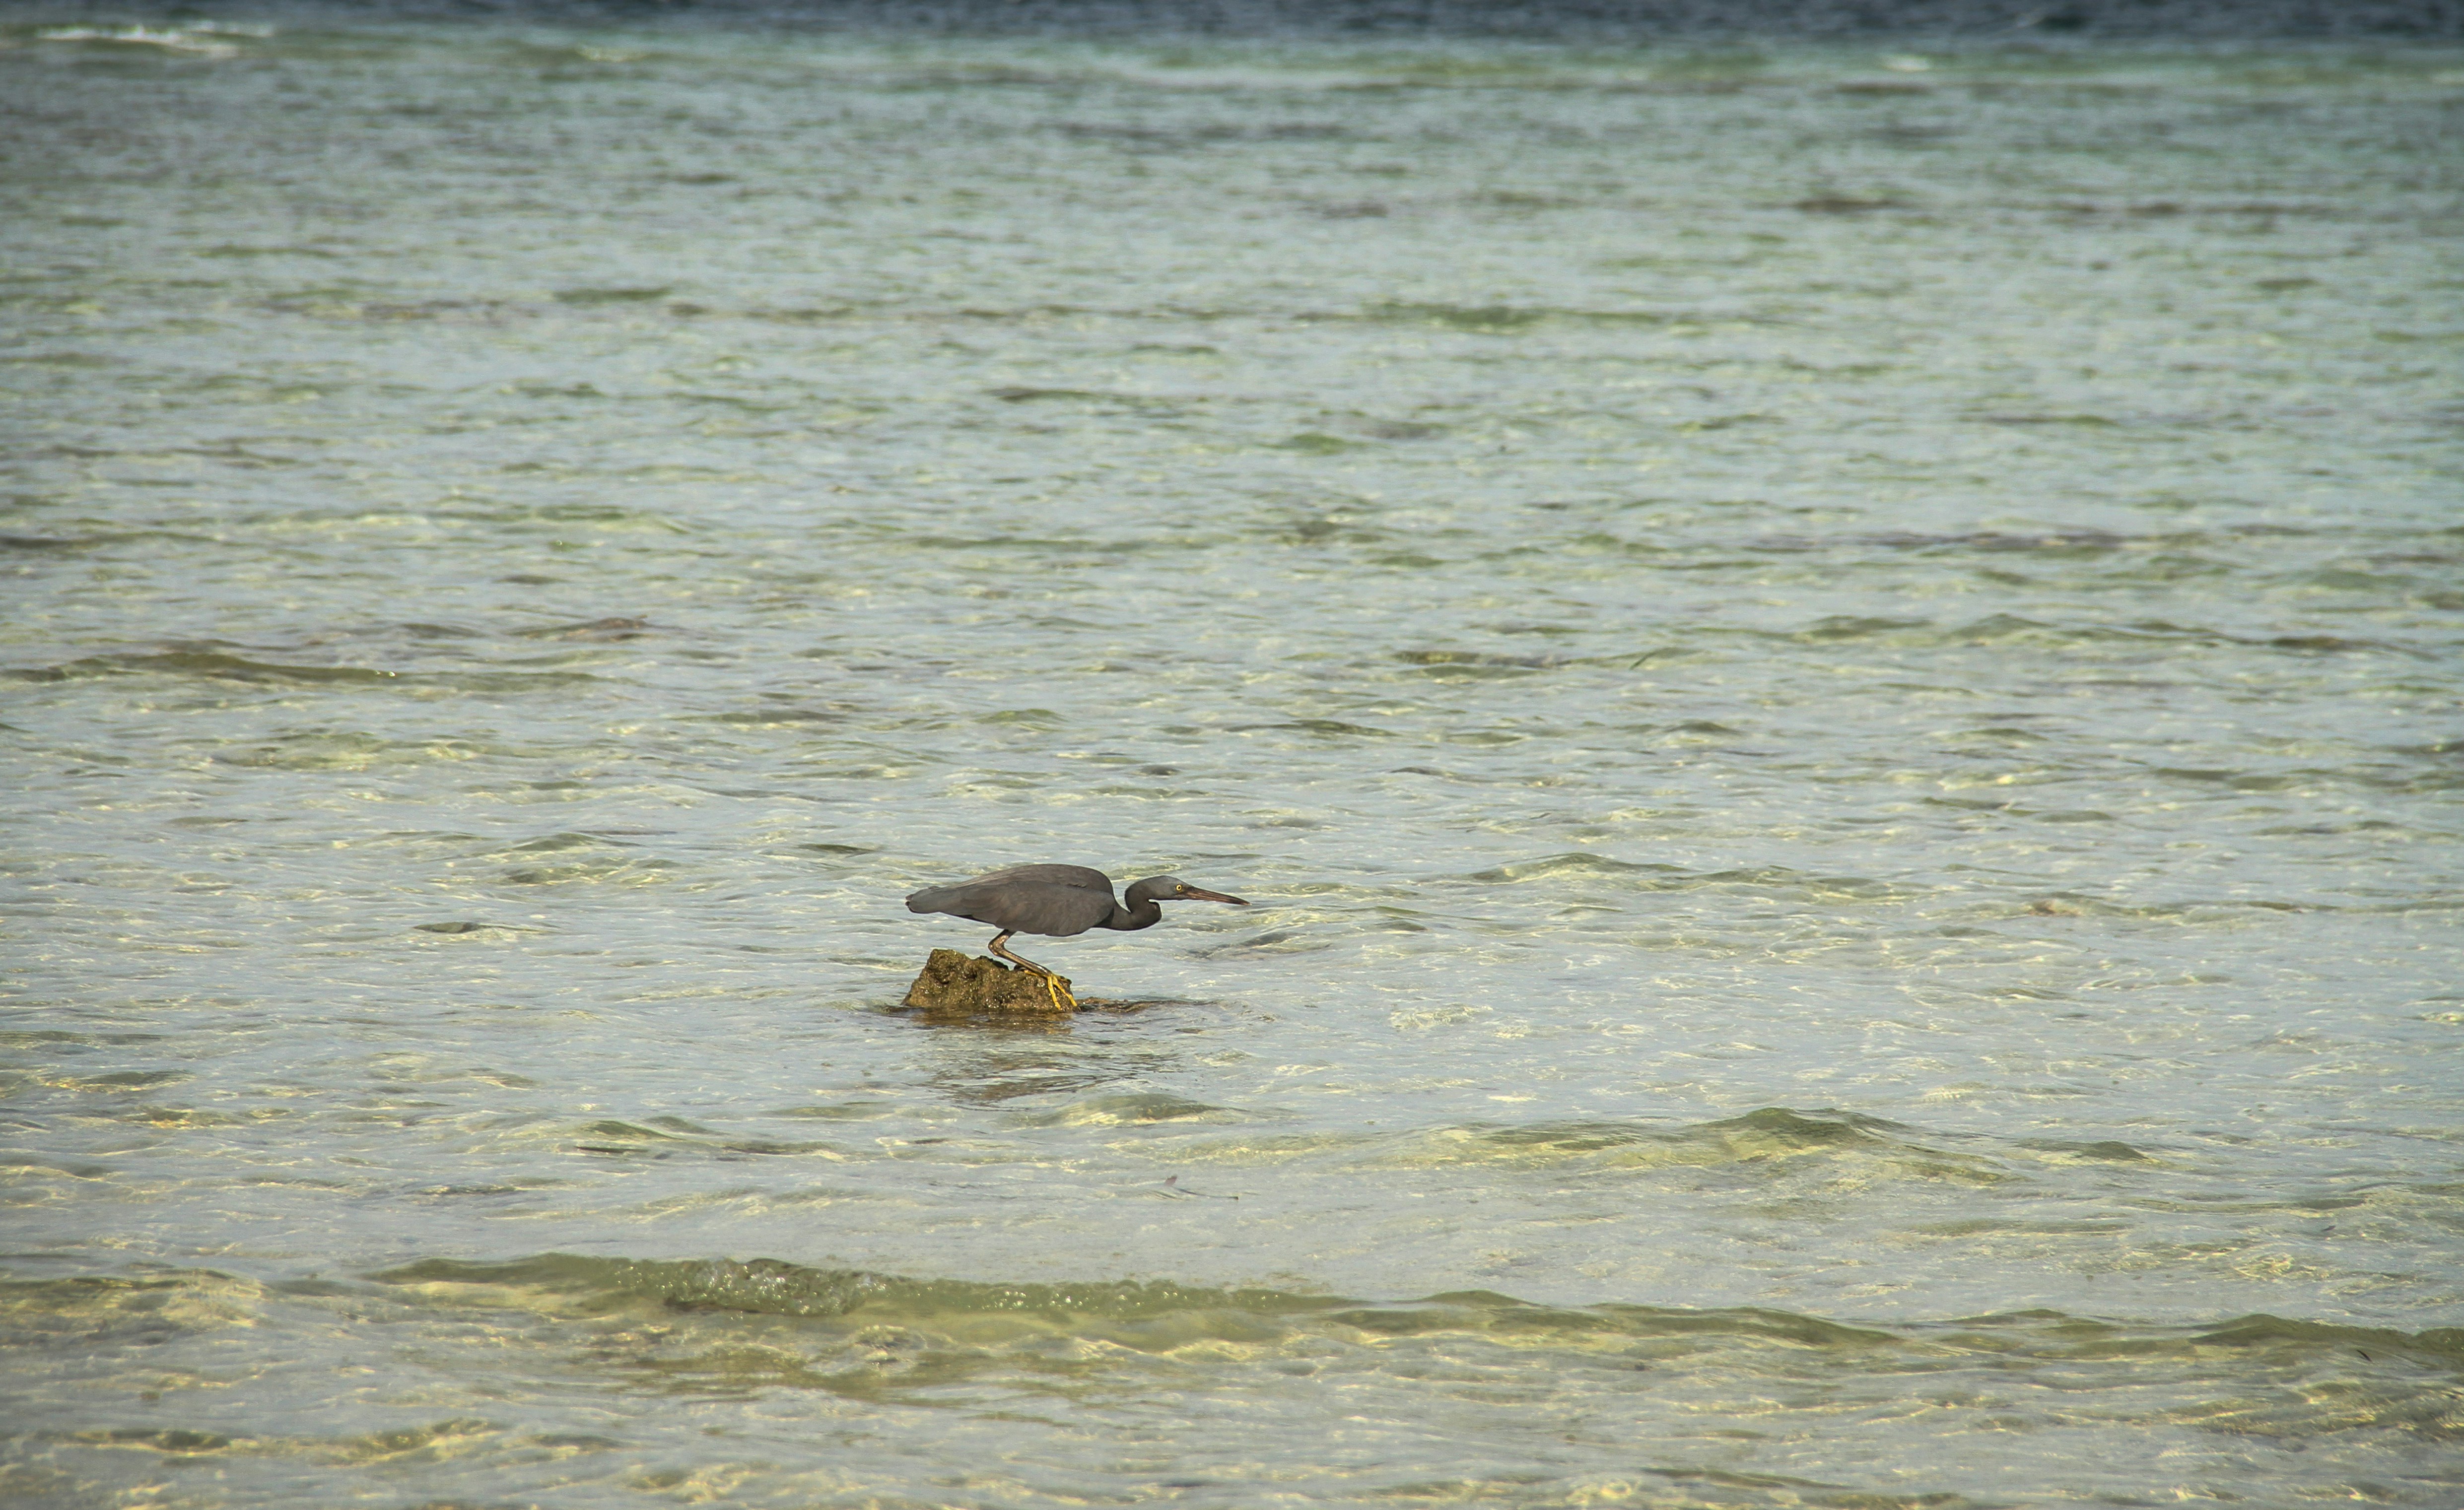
(958, 984)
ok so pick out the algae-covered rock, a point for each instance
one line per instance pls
(956, 983)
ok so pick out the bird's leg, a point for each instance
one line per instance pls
(1061, 1000)
(1021, 961)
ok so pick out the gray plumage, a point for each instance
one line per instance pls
(1056, 899)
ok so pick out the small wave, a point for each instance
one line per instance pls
(612, 296)
(772, 1286)
(1164, 1316)
(557, 844)
(1475, 663)
(2109, 1152)
(614, 628)
(2003, 627)
(212, 664)
(673, 1135)
(1852, 627)
(100, 1309)
(1314, 443)
(1575, 861)
(1653, 876)
(218, 666)
(1133, 1109)
(1766, 1135)
(1273, 941)
(1508, 319)
(118, 1081)
(199, 41)
(45, 542)
(1315, 726)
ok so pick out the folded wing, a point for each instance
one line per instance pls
(1056, 899)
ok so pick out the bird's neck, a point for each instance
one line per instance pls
(1146, 914)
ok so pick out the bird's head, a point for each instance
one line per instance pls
(1172, 888)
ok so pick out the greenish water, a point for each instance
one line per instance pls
(1835, 672)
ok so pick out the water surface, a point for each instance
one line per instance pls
(1835, 671)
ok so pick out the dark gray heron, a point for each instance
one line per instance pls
(1057, 900)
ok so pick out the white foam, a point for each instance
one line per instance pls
(174, 41)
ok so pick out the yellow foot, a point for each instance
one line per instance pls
(1061, 1000)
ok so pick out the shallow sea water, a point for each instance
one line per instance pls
(1835, 671)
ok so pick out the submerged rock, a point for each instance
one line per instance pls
(956, 983)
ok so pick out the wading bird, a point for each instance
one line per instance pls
(1058, 900)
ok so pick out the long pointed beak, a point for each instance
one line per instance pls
(1200, 894)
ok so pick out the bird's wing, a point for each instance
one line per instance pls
(1057, 900)
(1078, 876)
